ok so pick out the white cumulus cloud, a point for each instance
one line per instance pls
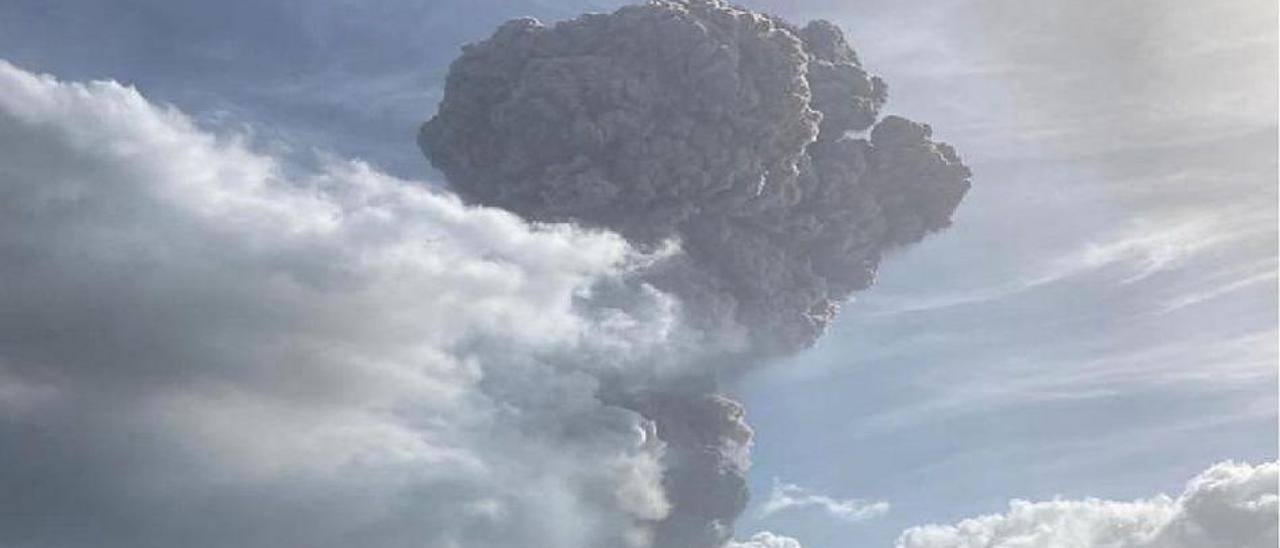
(205, 345)
(1230, 505)
(765, 539)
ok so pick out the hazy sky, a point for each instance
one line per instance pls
(1100, 321)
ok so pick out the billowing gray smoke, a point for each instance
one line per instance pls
(735, 134)
(725, 129)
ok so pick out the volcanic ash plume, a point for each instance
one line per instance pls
(725, 130)
(738, 136)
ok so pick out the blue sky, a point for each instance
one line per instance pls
(947, 394)
(1100, 321)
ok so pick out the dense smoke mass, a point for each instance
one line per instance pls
(730, 132)
(735, 135)
(706, 456)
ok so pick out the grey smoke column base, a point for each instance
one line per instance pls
(707, 456)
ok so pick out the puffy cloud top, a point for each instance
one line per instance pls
(205, 345)
(1230, 505)
(765, 540)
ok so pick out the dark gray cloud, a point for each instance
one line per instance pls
(734, 134)
(707, 456)
(723, 129)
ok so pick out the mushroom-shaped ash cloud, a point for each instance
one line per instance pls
(729, 131)
(739, 136)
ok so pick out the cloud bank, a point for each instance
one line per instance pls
(1230, 505)
(204, 345)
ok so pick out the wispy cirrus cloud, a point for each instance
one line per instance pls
(1182, 366)
(1128, 255)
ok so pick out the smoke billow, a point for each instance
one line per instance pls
(736, 135)
(725, 130)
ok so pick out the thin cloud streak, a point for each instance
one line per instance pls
(1138, 251)
(1244, 361)
(788, 496)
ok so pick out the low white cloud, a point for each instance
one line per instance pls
(765, 539)
(1230, 505)
(205, 345)
(787, 496)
